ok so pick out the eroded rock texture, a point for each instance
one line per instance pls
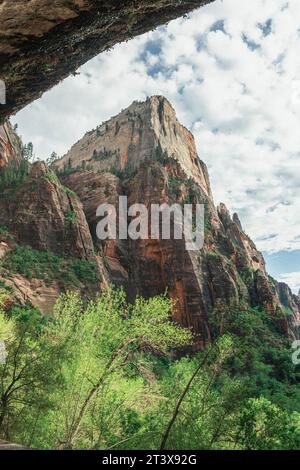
(38, 212)
(44, 215)
(144, 153)
(43, 42)
(154, 160)
(10, 145)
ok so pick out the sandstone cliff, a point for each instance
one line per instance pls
(147, 155)
(134, 136)
(10, 145)
(46, 216)
(154, 160)
(37, 212)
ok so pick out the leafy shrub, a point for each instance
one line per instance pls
(51, 176)
(4, 287)
(162, 156)
(4, 230)
(214, 254)
(31, 263)
(68, 191)
(86, 271)
(115, 171)
(45, 265)
(71, 218)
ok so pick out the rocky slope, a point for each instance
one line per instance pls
(147, 155)
(43, 42)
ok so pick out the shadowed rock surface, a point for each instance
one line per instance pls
(43, 42)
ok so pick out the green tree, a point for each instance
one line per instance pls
(13, 174)
(264, 426)
(27, 152)
(27, 375)
(6, 324)
(107, 338)
(202, 414)
(52, 159)
(108, 375)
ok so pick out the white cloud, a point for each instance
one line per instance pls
(292, 279)
(233, 75)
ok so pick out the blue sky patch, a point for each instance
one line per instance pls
(266, 27)
(282, 262)
(218, 26)
(253, 46)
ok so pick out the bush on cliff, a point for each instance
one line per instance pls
(45, 265)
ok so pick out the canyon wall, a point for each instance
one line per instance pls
(144, 153)
(147, 155)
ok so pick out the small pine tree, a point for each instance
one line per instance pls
(52, 159)
(27, 152)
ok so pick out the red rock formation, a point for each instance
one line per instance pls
(10, 145)
(156, 160)
(40, 213)
(45, 216)
(147, 155)
(138, 134)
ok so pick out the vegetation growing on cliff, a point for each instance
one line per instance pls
(45, 265)
(103, 375)
(13, 175)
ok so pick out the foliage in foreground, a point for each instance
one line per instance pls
(102, 375)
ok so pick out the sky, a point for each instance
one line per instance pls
(232, 73)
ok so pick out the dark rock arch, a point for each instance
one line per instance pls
(43, 42)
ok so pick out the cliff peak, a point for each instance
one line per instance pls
(145, 131)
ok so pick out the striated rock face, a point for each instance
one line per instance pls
(42, 214)
(94, 189)
(144, 153)
(155, 160)
(291, 303)
(10, 145)
(35, 292)
(137, 135)
(46, 216)
(43, 42)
